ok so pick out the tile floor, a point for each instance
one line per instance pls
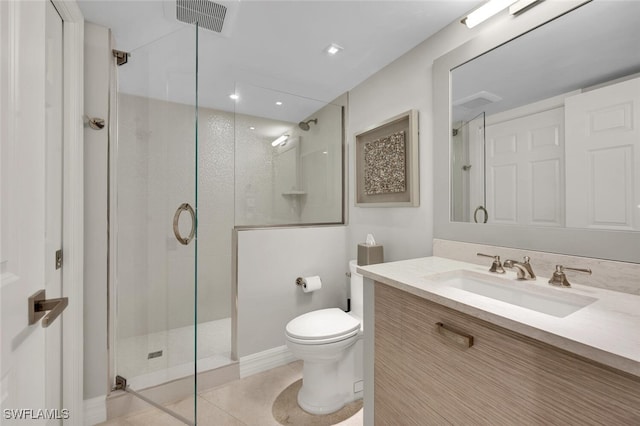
(242, 402)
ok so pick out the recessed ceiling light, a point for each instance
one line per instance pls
(234, 96)
(251, 128)
(333, 49)
(279, 103)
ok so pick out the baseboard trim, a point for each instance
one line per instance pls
(265, 360)
(95, 410)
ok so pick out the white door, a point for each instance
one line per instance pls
(31, 211)
(524, 170)
(603, 157)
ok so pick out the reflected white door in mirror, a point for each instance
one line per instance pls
(524, 163)
(603, 157)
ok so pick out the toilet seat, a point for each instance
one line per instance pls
(322, 327)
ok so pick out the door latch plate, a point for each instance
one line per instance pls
(59, 259)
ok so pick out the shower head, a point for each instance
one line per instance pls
(304, 125)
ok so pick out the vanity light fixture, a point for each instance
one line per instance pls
(333, 49)
(279, 103)
(522, 6)
(280, 141)
(234, 96)
(486, 11)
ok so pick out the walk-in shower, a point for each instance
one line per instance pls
(154, 179)
(186, 168)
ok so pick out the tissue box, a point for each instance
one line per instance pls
(370, 254)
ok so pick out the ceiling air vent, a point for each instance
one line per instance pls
(209, 15)
(477, 100)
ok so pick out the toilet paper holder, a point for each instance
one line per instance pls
(309, 284)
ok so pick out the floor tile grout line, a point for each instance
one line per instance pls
(291, 368)
(222, 409)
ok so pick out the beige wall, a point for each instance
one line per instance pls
(405, 232)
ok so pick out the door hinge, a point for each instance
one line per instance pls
(121, 383)
(59, 259)
(121, 56)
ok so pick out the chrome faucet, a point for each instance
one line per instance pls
(523, 269)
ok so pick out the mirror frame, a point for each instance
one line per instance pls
(618, 245)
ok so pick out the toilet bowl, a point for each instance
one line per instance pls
(329, 342)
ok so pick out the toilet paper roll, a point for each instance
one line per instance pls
(310, 284)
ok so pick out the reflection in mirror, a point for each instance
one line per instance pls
(467, 179)
(561, 144)
(289, 165)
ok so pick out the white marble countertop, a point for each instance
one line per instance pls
(606, 331)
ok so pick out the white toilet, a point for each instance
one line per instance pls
(329, 342)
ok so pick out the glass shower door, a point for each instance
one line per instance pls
(468, 182)
(155, 222)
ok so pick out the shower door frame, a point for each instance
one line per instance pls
(171, 389)
(73, 206)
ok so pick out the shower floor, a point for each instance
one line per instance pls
(177, 346)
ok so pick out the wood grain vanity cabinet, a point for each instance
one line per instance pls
(423, 377)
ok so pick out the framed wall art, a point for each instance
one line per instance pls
(387, 163)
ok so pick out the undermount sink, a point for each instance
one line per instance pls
(548, 301)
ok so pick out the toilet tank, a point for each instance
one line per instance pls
(356, 290)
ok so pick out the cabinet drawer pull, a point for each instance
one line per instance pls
(457, 336)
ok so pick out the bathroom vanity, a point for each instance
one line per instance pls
(445, 354)
(448, 342)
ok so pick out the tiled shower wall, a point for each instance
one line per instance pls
(156, 173)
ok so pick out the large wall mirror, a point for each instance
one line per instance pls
(542, 142)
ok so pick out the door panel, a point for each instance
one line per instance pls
(603, 157)
(31, 111)
(53, 197)
(525, 180)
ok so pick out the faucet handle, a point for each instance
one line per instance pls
(496, 266)
(559, 278)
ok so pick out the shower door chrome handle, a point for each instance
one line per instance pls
(176, 219)
(475, 214)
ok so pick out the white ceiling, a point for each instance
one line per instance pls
(277, 45)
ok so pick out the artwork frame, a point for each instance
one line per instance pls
(386, 163)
